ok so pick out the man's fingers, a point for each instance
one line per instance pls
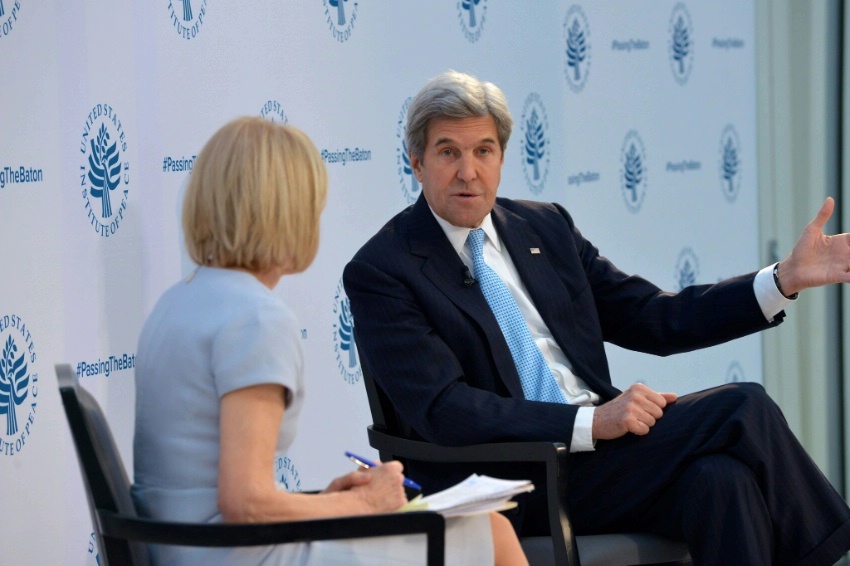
(651, 415)
(639, 390)
(823, 215)
(640, 427)
(644, 412)
(657, 399)
(653, 410)
(647, 407)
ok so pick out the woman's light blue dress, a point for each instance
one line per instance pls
(219, 331)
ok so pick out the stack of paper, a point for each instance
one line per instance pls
(475, 494)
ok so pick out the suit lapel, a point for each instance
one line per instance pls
(445, 270)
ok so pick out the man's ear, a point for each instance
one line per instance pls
(416, 166)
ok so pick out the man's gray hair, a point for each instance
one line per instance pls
(455, 95)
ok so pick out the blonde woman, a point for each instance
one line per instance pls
(220, 373)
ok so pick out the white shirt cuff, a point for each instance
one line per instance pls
(583, 431)
(771, 301)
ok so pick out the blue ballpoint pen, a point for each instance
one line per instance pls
(364, 463)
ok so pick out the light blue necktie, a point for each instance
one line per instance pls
(537, 381)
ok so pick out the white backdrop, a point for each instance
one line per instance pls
(640, 116)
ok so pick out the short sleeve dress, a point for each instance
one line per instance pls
(218, 331)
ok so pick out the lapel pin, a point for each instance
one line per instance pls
(534, 250)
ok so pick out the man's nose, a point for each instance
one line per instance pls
(466, 171)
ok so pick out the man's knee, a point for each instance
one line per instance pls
(746, 389)
(748, 392)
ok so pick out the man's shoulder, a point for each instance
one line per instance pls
(518, 206)
(389, 236)
(533, 211)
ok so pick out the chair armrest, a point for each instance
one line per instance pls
(553, 454)
(526, 451)
(254, 534)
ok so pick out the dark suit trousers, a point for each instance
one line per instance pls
(721, 470)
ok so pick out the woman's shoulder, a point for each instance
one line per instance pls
(219, 298)
(225, 287)
(239, 301)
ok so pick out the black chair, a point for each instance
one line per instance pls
(122, 534)
(561, 547)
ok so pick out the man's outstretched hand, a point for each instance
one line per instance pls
(817, 259)
(635, 410)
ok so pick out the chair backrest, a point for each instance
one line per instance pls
(383, 413)
(378, 403)
(105, 478)
(384, 416)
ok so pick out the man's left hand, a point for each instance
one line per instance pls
(817, 259)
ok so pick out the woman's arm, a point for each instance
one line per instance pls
(250, 423)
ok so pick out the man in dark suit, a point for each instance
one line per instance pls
(436, 296)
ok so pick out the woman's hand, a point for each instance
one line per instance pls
(384, 492)
(346, 482)
(381, 488)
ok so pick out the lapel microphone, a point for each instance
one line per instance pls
(468, 279)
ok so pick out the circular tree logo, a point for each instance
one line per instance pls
(344, 345)
(577, 38)
(633, 181)
(410, 187)
(18, 384)
(187, 16)
(9, 10)
(273, 111)
(472, 14)
(103, 146)
(286, 474)
(341, 20)
(730, 163)
(535, 148)
(680, 44)
(735, 373)
(687, 269)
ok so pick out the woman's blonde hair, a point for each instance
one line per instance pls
(254, 198)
